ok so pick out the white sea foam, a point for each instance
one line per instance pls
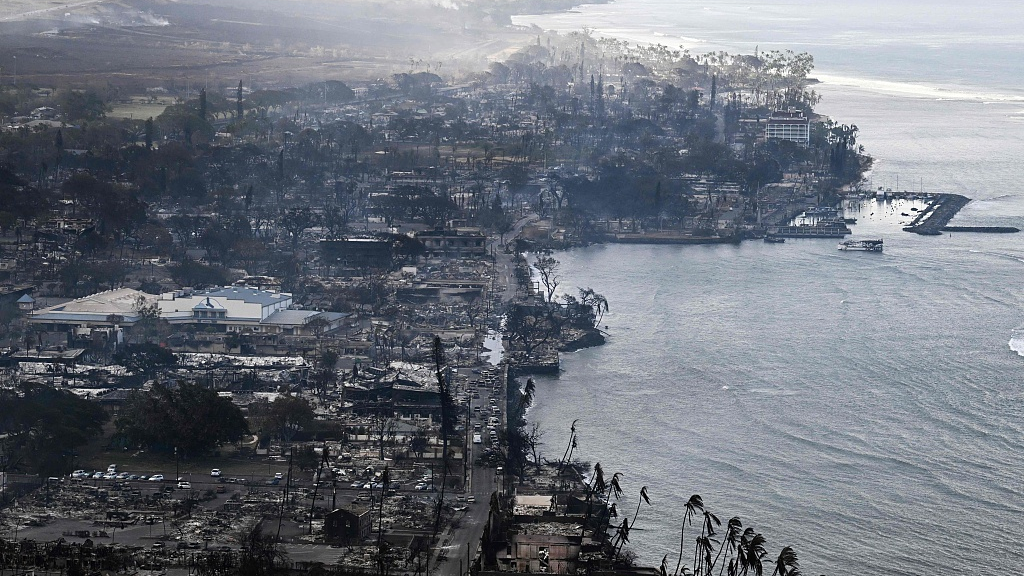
(1017, 342)
(919, 90)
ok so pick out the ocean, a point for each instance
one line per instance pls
(866, 409)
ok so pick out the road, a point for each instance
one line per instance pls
(458, 546)
(505, 282)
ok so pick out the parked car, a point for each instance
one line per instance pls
(184, 486)
(156, 478)
(215, 473)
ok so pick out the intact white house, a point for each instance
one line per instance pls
(789, 125)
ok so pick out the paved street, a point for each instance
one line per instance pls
(460, 544)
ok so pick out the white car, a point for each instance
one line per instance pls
(156, 478)
(215, 473)
(184, 486)
(79, 474)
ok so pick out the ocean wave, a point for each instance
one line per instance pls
(1017, 342)
(921, 91)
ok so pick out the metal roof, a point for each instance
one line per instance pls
(248, 295)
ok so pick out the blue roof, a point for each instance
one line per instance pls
(26, 299)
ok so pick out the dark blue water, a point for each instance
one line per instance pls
(865, 409)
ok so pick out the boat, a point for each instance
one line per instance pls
(774, 239)
(862, 245)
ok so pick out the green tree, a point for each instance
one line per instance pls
(289, 415)
(81, 104)
(187, 416)
(146, 359)
(40, 428)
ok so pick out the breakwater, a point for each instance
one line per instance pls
(983, 229)
(932, 220)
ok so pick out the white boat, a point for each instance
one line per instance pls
(862, 245)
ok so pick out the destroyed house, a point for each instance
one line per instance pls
(535, 553)
(454, 243)
(357, 253)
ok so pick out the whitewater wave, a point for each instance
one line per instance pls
(1017, 342)
(922, 91)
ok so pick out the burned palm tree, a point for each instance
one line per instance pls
(629, 525)
(786, 564)
(448, 417)
(621, 537)
(731, 540)
(385, 480)
(703, 547)
(750, 553)
(691, 507)
(596, 486)
(568, 449)
(614, 491)
(526, 400)
(567, 456)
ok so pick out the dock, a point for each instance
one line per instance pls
(832, 230)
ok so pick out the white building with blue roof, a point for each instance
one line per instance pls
(227, 309)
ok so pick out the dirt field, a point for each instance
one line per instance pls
(139, 44)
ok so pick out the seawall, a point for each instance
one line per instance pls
(933, 219)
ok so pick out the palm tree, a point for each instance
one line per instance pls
(385, 481)
(597, 485)
(750, 553)
(526, 400)
(690, 508)
(643, 498)
(707, 530)
(702, 553)
(732, 537)
(572, 443)
(787, 564)
(622, 536)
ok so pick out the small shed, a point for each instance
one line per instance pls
(26, 303)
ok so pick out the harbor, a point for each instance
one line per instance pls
(941, 209)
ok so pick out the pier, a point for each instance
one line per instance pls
(932, 220)
(830, 230)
